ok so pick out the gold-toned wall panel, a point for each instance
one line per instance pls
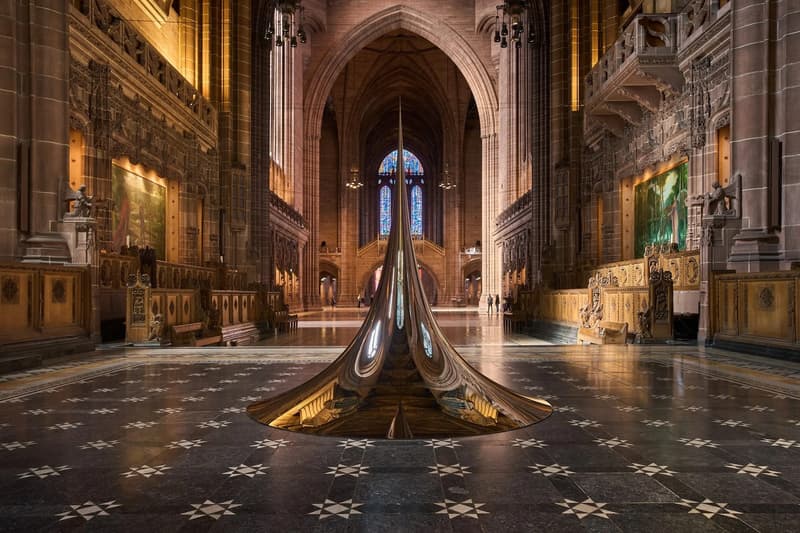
(40, 302)
(727, 307)
(757, 308)
(59, 301)
(684, 266)
(766, 311)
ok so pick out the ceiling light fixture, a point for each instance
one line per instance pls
(285, 23)
(355, 181)
(514, 13)
(446, 184)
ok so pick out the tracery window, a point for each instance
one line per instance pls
(413, 167)
(385, 213)
(414, 177)
(416, 210)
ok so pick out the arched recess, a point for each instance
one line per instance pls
(328, 282)
(474, 71)
(431, 285)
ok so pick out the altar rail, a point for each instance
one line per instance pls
(684, 266)
(115, 269)
(151, 312)
(43, 302)
(563, 306)
(756, 309)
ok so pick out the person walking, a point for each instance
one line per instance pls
(497, 303)
(489, 300)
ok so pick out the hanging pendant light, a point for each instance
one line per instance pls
(284, 22)
(355, 180)
(509, 23)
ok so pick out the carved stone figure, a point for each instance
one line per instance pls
(719, 201)
(82, 203)
(645, 323)
(591, 314)
(156, 328)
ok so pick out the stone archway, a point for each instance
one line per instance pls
(459, 50)
(367, 284)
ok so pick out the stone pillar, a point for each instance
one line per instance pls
(260, 105)
(788, 123)
(491, 256)
(349, 285)
(756, 247)
(309, 270)
(35, 140)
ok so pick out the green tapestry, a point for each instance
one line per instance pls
(660, 209)
(139, 211)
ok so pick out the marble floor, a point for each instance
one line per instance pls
(657, 438)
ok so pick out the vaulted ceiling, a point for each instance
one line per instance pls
(367, 94)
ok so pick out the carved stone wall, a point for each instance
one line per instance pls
(681, 125)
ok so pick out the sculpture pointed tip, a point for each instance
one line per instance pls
(399, 428)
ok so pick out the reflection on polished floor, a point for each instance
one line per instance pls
(656, 438)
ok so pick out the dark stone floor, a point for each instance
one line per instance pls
(643, 439)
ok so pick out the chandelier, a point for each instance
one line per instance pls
(285, 23)
(512, 26)
(354, 182)
(446, 184)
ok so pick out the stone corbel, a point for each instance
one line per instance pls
(629, 111)
(647, 97)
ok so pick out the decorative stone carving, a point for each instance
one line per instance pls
(82, 204)
(696, 15)
(766, 298)
(720, 201)
(9, 292)
(644, 318)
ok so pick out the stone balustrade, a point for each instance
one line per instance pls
(630, 78)
(279, 205)
(107, 20)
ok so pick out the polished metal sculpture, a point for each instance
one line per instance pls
(400, 377)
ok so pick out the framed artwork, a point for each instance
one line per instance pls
(660, 210)
(139, 216)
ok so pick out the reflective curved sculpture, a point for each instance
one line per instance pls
(400, 377)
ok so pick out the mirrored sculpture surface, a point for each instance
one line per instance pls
(400, 377)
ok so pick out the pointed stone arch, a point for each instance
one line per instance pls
(471, 66)
(400, 17)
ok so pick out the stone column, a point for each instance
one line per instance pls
(260, 104)
(491, 257)
(36, 137)
(788, 124)
(309, 272)
(756, 247)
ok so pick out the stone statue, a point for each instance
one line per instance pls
(82, 203)
(718, 201)
(645, 325)
(591, 314)
(156, 328)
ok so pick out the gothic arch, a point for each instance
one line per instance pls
(394, 18)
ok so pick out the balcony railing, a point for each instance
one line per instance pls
(108, 21)
(288, 211)
(632, 75)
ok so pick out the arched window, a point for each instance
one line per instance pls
(416, 210)
(385, 212)
(412, 165)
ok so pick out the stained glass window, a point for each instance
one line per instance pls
(412, 164)
(385, 210)
(416, 210)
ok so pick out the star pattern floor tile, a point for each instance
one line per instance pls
(162, 438)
